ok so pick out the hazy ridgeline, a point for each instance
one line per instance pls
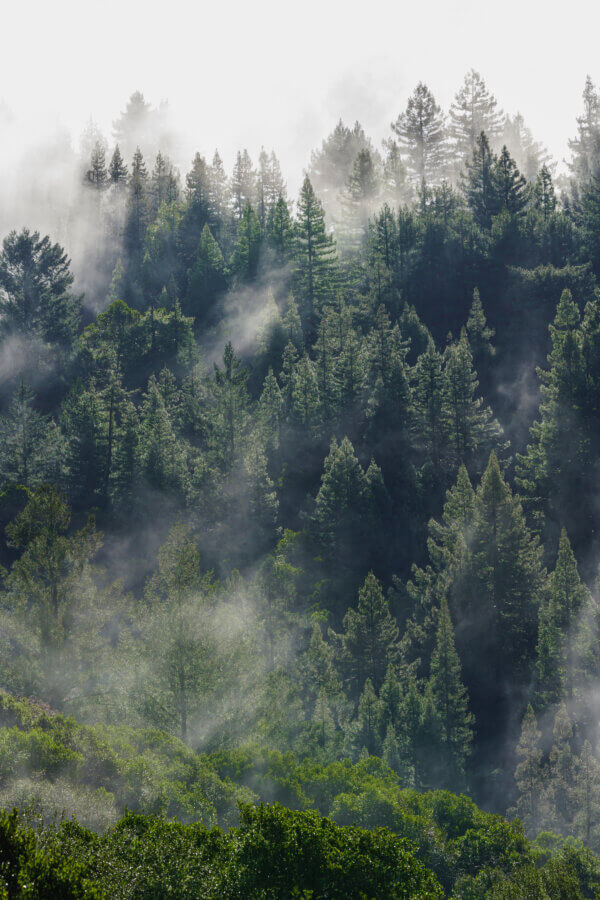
(316, 475)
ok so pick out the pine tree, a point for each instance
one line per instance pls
(529, 774)
(97, 175)
(246, 256)
(587, 795)
(479, 184)
(561, 772)
(162, 457)
(450, 698)
(35, 290)
(270, 411)
(394, 175)
(586, 146)
(269, 186)
(280, 232)
(315, 259)
(84, 424)
(429, 398)
(319, 667)
(359, 199)
(474, 110)
(470, 427)
(45, 576)
(367, 733)
(117, 170)
(207, 278)
(558, 655)
(231, 399)
(510, 187)
(31, 445)
(138, 213)
(480, 338)
(391, 698)
(421, 133)
(507, 566)
(544, 196)
(219, 193)
(304, 400)
(197, 213)
(243, 184)
(590, 216)
(331, 165)
(369, 642)
(560, 462)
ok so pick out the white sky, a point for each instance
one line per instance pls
(245, 74)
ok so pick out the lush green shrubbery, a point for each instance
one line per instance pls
(377, 835)
(276, 852)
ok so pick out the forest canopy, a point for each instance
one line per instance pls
(299, 519)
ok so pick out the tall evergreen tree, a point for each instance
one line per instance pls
(421, 134)
(97, 175)
(315, 259)
(369, 642)
(559, 660)
(450, 697)
(117, 170)
(473, 110)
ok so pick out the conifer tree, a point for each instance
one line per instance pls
(544, 196)
(243, 184)
(429, 399)
(450, 697)
(246, 256)
(269, 186)
(332, 163)
(36, 300)
(586, 146)
(207, 278)
(117, 170)
(390, 749)
(369, 642)
(319, 667)
(529, 774)
(197, 211)
(358, 199)
(367, 733)
(510, 187)
(305, 400)
(270, 410)
(138, 213)
(479, 183)
(45, 575)
(507, 567)
(587, 795)
(421, 134)
(84, 424)
(559, 460)
(97, 175)
(315, 258)
(280, 231)
(391, 698)
(394, 175)
(31, 445)
(232, 403)
(561, 772)
(559, 661)
(162, 457)
(480, 338)
(471, 428)
(473, 110)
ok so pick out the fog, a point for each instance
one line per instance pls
(249, 74)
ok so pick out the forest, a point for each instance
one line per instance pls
(300, 517)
